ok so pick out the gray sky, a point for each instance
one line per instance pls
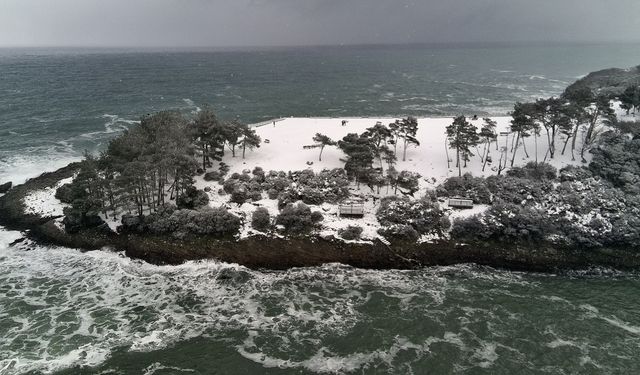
(185, 23)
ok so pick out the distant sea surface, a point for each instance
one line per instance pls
(62, 311)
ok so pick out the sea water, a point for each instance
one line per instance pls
(64, 311)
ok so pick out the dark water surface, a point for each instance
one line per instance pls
(62, 311)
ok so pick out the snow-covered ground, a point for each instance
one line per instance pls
(44, 203)
(283, 150)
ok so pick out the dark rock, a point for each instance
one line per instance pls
(19, 240)
(5, 187)
(72, 223)
(207, 189)
(75, 223)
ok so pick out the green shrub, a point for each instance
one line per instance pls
(209, 221)
(399, 232)
(474, 188)
(193, 198)
(424, 216)
(534, 171)
(350, 233)
(298, 218)
(261, 220)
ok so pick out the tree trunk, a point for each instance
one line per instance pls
(513, 157)
(486, 156)
(446, 151)
(535, 140)
(566, 142)
(458, 162)
(404, 152)
(321, 149)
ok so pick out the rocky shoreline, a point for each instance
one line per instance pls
(282, 253)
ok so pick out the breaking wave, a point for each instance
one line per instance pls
(62, 308)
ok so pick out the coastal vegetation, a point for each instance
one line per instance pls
(185, 177)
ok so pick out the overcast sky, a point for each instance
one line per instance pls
(185, 23)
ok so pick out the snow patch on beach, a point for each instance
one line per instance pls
(44, 203)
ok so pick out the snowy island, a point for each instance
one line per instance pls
(553, 185)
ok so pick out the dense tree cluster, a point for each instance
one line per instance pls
(370, 158)
(182, 223)
(617, 159)
(630, 99)
(586, 207)
(153, 164)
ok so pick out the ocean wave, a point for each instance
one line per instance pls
(32, 163)
(82, 307)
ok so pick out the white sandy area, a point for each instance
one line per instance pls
(285, 152)
(286, 140)
(44, 203)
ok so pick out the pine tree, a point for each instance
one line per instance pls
(205, 132)
(600, 110)
(462, 135)
(321, 142)
(250, 139)
(630, 98)
(232, 132)
(379, 136)
(360, 155)
(408, 128)
(521, 125)
(487, 135)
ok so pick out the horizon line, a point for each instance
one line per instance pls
(285, 46)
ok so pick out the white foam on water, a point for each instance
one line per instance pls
(157, 366)
(77, 308)
(19, 168)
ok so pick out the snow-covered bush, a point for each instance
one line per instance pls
(466, 186)
(213, 176)
(209, 221)
(350, 233)
(518, 190)
(505, 222)
(65, 193)
(298, 218)
(534, 171)
(261, 220)
(424, 216)
(224, 168)
(193, 198)
(572, 173)
(258, 174)
(617, 159)
(399, 232)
